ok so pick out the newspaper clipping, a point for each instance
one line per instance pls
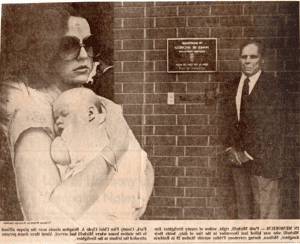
(99, 143)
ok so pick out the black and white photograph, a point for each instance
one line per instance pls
(196, 104)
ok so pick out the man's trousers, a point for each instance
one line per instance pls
(257, 197)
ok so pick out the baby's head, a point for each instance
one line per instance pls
(75, 105)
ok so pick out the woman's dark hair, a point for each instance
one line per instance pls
(33, 34)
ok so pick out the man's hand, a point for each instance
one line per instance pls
(243, 157)
(233, 156)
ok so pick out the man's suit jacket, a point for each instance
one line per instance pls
(263, 133)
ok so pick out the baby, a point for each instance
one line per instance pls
(79, 111)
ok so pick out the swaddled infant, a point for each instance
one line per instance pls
(80, 126)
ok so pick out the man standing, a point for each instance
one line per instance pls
(254, 140)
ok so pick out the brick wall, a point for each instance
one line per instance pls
(192, 180)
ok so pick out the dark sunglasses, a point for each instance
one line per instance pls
(70, 47)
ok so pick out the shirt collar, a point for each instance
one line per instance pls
(53, 90)
(252, 78)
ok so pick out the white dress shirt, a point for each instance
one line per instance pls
(253, 79)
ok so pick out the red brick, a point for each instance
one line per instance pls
(190, 98)
(128, 12)
(128, 77)
(192, 182)
(200, 192)
(192, 119)
(274, 66)
(203, 21)
(142, 130)
(165, 181)
(161, 140)
(167, 109)
(260, 31)
(160, 66)
(197, 87)
(118, 66)
(201, 109)
(138, 23)
(169, 130)
(169, 171)
(133, 119)
(193, 32)
(156, 98)
(156, 55)
(163, 161)
(128, 56)
(118, 4)
(192, 78)
(290, 65)
(200, 172)
(160, 119)
(199, 212)
(117, 45)
(170, 212)
(137, 109)
(225, 192)
(236, 21)
(227, 10)
(191, 202)
(117, 23)
(269, 20)
(259, 9)
(128, 34)
(218, 202)
(230, 43)
(137, 44)
(201, 151)
(193, 10)
(135, 4)
(229, 66)
(117, 88)
(160, 77)
(168, 150)
(288, 7)
(169, 191)
(137, 88)
(161, 11)
(137, 66)
(221, 32)
(170, 87)
(161, 201)
(170, 22)
(215, 141)
(274, 42)
(170, 3)
(148, 149)
(129, 98)
(160, 33)
(287, 54)
(223, 182)
(193, 140)
(160, 44)
(193, 161)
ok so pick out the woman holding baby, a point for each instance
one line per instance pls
(56, 55)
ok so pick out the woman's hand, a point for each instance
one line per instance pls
(117, 130)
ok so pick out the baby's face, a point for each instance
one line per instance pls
(64, 116)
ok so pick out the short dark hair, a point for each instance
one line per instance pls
(258, 43)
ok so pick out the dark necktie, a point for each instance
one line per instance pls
(245, 94)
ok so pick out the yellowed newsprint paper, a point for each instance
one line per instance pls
(97, 230)
(202, 231)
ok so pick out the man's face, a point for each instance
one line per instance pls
(251, 60)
